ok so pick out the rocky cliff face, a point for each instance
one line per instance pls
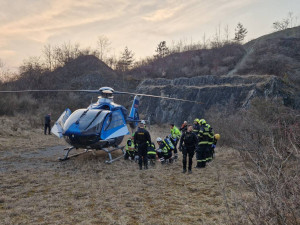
(235, 91)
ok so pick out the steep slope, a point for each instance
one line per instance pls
(216, 61)
(87, 72)
(233, 91)
(277, 54)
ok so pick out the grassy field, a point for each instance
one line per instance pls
(35, 188)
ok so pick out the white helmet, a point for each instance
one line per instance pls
(143, 122)
(158, 139)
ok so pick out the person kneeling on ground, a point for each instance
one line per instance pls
(164, 151)
(151, 154)
(130, 149)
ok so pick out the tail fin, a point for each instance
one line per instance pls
(133, 117)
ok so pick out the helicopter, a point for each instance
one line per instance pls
(101, 126)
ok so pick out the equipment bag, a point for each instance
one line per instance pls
(169, 143)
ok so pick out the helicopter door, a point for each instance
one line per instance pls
(114, 126)
(57, 129)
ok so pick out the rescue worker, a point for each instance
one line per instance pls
(164, 151)
(144, 122)
(210, 142)
(196, 126)
(141, 137)
(175, 135)
(188, 144)
(151, 154)
(47, 124)
(202, 149)
(130, 149)
(183, 127)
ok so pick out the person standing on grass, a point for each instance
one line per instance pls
(47, 124)
(187, 145)
(183, 127)
(174, 136)
(141, 140)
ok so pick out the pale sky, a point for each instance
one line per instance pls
(28, 25)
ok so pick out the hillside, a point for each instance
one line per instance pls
(277, 53)
(274, 54)
(216, 61)
(230, 91)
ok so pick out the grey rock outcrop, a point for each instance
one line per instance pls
(233, 91)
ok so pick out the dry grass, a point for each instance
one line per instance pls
(37, 189)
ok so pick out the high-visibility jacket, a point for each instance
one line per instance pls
(175, 133)
(151, 149)
(210, 135)
(203, 135)
(130, 145)
(165, 148)
(196, 128)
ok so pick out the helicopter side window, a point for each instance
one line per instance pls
(107, 122)
(115, 120)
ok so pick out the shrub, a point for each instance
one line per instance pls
(267, 138)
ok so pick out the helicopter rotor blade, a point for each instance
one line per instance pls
(99, 92)
(158, 96)
(58, 90)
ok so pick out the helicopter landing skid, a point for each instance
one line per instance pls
(75, 155)
(109, 151)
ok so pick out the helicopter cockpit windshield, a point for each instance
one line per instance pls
(85, 122)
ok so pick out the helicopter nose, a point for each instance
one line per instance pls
(73, 130)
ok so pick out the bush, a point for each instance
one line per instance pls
(267, 137)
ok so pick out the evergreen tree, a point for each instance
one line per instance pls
(126, 60)
(162, 50)
(240, 33)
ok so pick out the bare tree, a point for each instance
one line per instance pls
(285, 23)
(103, 46)
(47, 51)
(204, 44)
(291, 18)
(226, 33)
(281, 25)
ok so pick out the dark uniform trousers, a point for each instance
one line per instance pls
(141, 140)
(174, 142)
(201, 155)
(142, 152)
(47, 126)
(188, 151)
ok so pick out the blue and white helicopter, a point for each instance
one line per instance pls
(101, 126)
